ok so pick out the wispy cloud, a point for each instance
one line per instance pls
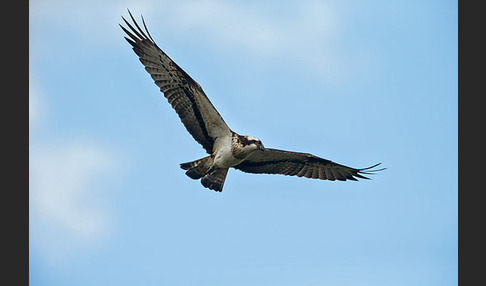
(63, 185)
(67, 191)
(307, 36)
(248, 27)
(70, 182)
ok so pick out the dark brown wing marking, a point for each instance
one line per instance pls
(273, 161)
(184, 94)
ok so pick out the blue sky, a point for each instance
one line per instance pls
(356, 82)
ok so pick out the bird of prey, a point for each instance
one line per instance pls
(226, 148)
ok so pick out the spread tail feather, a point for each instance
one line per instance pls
(198, 168)
(215, 179)
(202, 169)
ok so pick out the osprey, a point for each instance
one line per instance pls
(226, 148)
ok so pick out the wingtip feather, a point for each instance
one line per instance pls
(368, 171)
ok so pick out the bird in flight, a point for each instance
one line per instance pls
(226, 148)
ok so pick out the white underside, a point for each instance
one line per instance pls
(223, 156)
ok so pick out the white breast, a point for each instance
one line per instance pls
(223, 156)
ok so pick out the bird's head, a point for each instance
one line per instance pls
(252, 143)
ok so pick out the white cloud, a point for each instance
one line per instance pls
(62, 185)
(306, 37)
(250, 27)
(70, 185)
(67, 187)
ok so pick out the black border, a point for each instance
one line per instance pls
(471, 143)
(15, 143)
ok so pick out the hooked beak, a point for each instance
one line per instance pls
(261, 147)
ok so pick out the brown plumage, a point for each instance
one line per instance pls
(182, 92)
(273, 161)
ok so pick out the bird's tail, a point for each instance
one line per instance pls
(215, 179)
(198, 168)
(202, 169)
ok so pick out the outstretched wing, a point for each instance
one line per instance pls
(184, 94)
(273, 161)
